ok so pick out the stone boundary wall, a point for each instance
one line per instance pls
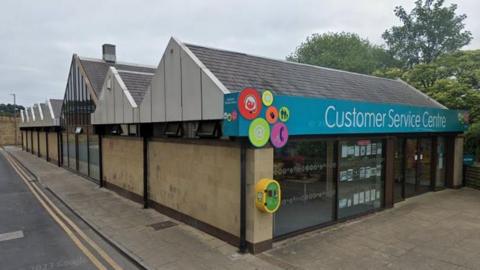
(7, 131)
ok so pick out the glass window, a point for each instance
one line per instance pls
(440, 175)
(305, 171)
(82, 154)
(360, 176)
(72, 164)
(94, 156)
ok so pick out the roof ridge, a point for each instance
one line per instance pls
(291, 62)
(135, 72)
(116, 63)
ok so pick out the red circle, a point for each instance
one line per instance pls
(271, 115)
(249, 103)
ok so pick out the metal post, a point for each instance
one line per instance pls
(145, 171)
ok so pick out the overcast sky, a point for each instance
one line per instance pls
(38, 38)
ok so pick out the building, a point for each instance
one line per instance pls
(40, 129)
(194, 138)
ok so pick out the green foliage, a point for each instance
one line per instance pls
(427, 32)
(9, 109)
(345, 51)
(452, 79)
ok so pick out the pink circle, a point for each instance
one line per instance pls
(279, 135)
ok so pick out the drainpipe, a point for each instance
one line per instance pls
(243, 198)
(145, 171)
(59, 148)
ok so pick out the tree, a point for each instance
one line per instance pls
(9, 109)
(427, 32)
(346, 51)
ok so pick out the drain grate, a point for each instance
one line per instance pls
(162, 225)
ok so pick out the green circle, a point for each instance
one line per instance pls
(259, 132)
(273, 199)
(284, 114)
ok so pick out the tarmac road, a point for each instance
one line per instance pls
(38, 233)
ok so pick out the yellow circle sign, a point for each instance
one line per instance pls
(267, 98)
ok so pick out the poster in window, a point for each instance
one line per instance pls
(342, 203)
(378, 195)
(379, 170)
(363, 149)
(367, 196)
(369, 149)
(351, 150)
(372, 194)
(349, 203)
(357, 150)
(379, 148)
(374, 148)
(343, 176)
(361, 197)
(362, 172)
(349, 175)
(344, 151)
(367, 172)
(355, 198)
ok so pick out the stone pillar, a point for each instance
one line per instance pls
(457, 181)
(259, 164)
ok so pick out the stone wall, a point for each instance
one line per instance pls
(123, 163)
(42, 143)
(198, 179)
(7, 131)
(53, 146)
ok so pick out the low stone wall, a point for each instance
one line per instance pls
(7, 131)
(472, 176)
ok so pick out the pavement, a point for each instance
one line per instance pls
(437, 230)
(31, 239)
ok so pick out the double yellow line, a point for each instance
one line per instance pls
(74, 232)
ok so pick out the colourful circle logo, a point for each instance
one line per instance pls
(279, 136)
(284, 114)
(249, 103)
(267, 98)
(271, 115)
(259, 132)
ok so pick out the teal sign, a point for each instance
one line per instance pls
(316, 116)
(468, 159)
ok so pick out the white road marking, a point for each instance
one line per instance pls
(11, 236)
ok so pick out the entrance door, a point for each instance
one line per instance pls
(418, 164)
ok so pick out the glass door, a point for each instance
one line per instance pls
(440, 173)
(411, 157)
(418, 166)
(424, 166)
(399, 168)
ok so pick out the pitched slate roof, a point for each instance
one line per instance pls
(56, 107)
(238, 70)
(137, 83)
(96, 70)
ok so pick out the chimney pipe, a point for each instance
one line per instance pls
(108, 53)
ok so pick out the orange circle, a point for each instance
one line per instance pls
(271, 115)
